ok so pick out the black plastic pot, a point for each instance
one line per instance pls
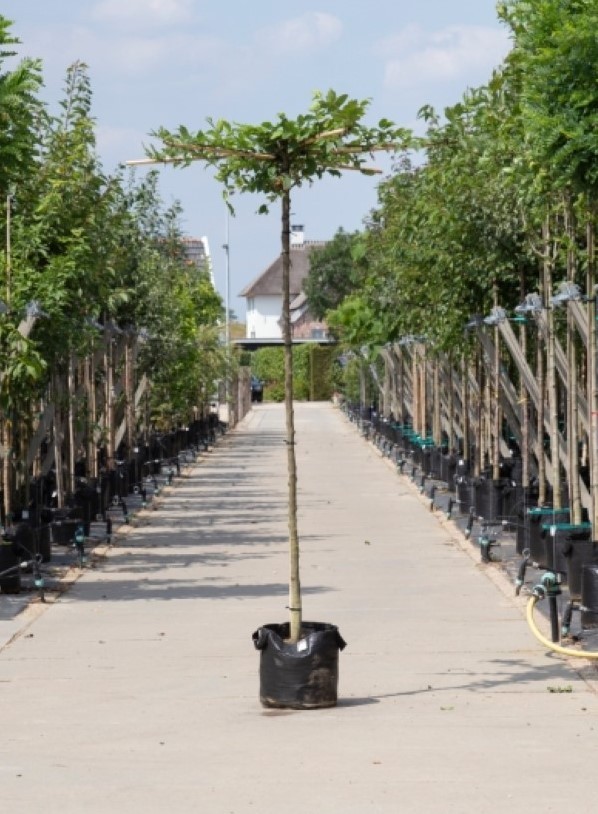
(589, 596)
(43, 542)
(10, 583)
(561, 541)
(488, 498)
(448, 469)
(302, 675)
(525, 499)
(63, 531)
(465, 493)
(570, 548)
(534, 532)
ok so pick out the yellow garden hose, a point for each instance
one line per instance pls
(563, 651)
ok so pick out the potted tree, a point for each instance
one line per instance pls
(299, 660)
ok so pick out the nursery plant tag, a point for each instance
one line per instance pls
(302, 645)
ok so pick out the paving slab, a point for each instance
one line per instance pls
(137, 690)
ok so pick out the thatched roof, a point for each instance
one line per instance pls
(269, 282)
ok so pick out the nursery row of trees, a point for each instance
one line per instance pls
(106, 330)
(496, 223)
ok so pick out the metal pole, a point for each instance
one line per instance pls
(227, 283)
(227, 383)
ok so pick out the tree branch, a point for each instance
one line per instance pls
(209, 151)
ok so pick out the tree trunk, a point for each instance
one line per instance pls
(130, 393)
(557, 498)
(592, 371)
(92, 416)
(57, 441)
(541, 417)
(573, 426)
(436, 404)
(572, 378)
(6, 445)
(109, 401)
(479, 414)
(452, 435)
(295, 607)
(525, 417)
(71, 423)
(495, 405)
(465, 411)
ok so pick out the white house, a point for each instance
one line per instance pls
(264, 295)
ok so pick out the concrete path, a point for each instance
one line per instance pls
(137, 691)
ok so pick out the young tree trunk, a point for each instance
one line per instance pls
(541, 417)
(6, 445)
(573, 426)
(71, 423)
(92, 416)
(551, 373)
(424, 392)
(109, 402)
(436, 404)
(130, 393)
(592, 372)
(452, 435)
(416, 395)
(465, 410)
(479, 414)
(525, 418)
(400, 404)
(572, 381)
(496, 410)
(295, 607)
(57, 441)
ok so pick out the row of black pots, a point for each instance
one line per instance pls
(553, 543)
(492, 500)
(47, 525)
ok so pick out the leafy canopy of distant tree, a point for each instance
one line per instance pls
(87, 246)
(461, 226)
(334, 273)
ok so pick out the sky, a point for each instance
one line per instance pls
(164, 63)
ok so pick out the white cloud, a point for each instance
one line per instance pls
(309, 32)
(415, 56)
(143, 13)
(119, 139)
(133, 55)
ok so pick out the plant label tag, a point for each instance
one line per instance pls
(301, 645)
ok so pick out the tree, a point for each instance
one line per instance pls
(272, 159)
(20, 108)
(332, 273)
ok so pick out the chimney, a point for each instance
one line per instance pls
(297, 236)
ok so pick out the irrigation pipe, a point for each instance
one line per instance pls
(563, 651)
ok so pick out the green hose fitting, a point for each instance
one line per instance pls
(548, 586)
